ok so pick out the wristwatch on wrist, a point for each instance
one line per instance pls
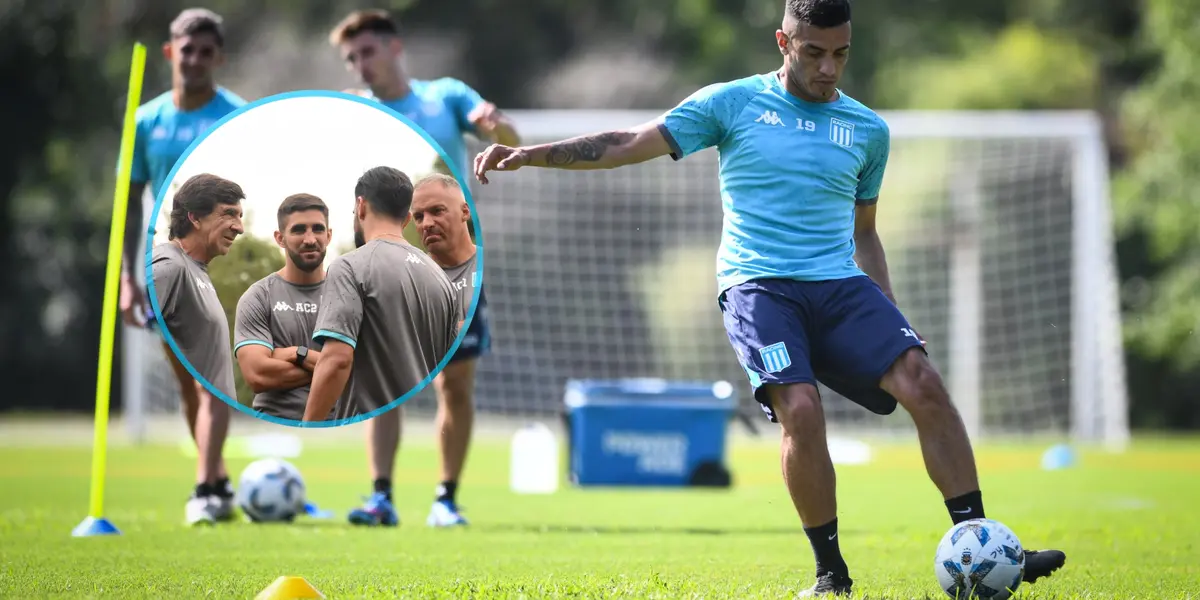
(301, 354)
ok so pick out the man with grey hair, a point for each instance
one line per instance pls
(166, 126)
(388, 314)
(206, 218)
(442, 216)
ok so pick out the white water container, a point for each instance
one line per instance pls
(534, 466)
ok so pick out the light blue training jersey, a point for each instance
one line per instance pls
(440, 107)
(791, 174)
(164, 132)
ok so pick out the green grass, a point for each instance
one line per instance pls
(1128, 523)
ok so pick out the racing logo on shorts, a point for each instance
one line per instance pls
(775, 357)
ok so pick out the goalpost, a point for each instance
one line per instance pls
(997, 229)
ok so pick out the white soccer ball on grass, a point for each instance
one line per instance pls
(979, 559)
(271, 490)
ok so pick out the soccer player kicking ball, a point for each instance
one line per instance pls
(446, 109)
(388, 315)
(206, 218)
(166, 126)
(277, 315)
(803, 282)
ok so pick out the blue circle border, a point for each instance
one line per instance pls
(170, 340)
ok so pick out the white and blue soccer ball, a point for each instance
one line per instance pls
(271, 490)
(979, 559)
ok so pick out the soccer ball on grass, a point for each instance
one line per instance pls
(271, 490)
(979, 559)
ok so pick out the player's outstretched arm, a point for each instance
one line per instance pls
(606, 150)
(264, 373)
(329, 379)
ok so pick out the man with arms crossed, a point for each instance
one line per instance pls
(166, 126)
(803, 283)
(206, 218)
(277, 315)
(388, 314)
(447, 109)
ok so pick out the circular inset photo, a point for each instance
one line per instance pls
(312, 263)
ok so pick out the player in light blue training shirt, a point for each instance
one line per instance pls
(803, 281)
(166, 126)
(447, 109)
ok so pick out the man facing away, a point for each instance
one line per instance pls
(277, 314)
(803, 282)
(447, 109)
(388, 315)
(441, 215)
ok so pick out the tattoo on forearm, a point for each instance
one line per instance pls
(586, 149)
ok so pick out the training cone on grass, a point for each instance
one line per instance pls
(289, 588)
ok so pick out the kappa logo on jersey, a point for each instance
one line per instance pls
(770, 117)
(775, 357)
(412, 258)
(202, 285)
(301, 307)
(841, 132)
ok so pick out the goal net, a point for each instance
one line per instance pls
(998, 237)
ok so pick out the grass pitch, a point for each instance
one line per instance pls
(1128, 523)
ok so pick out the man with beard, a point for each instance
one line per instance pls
(441, 215)
(370, 44)
(277, 315)
(388, 314)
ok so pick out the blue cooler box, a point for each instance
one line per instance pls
(645, 432)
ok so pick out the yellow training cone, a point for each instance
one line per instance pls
(289, 588)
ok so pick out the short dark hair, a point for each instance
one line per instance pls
(300, 203)
(819, 13)
(200, 196)
(198, 20)
(389, 191)
(363, 21)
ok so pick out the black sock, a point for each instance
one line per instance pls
(966, 507)
(384, 485)
(203, 489)
(824, 540)
(446, 491)
(221, 487)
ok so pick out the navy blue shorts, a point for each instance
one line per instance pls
(843, 333)
(478, 340)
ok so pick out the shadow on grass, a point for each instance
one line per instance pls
(632, 530)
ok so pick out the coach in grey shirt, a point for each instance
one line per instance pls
(388, 313)
(277, 315)
(206, 218)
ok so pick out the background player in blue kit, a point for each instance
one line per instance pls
(447, 109)
(166, 126)
(803, 282)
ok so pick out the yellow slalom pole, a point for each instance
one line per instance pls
(96, 524)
